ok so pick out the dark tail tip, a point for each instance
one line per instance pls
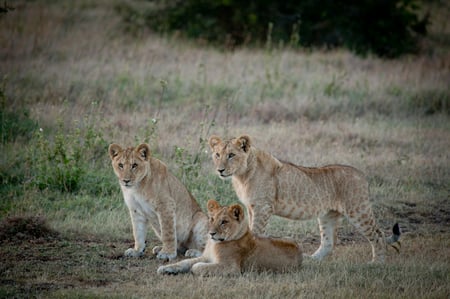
(396, 230)
(394, 240)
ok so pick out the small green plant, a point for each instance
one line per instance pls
(294, 40)
(14, 123)
(334, 87)
(150, 131)
(65, 161)
(190, 164)
(15, 126)
(55, 165)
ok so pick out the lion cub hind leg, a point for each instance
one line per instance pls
(365, 222)
(328, 225)
(199, 236)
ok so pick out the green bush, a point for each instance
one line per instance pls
(69, 160)
(189, 165)
(14, 123)
(384, 27)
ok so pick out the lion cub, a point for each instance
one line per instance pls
(268, 186)
(233, 249)
(154, 196)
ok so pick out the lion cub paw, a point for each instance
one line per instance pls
(193, 253)
(170, 270)
(162, 254)
(156, 250)
(131, 252)
(166, 255)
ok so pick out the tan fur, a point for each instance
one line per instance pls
(154, 196)
(233, 249)
(268, 186)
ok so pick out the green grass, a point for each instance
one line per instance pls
(73, 81)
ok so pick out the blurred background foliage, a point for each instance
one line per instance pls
(387, 28)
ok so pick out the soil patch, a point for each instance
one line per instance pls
(16, 229)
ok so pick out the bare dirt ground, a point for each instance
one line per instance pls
(38, 262)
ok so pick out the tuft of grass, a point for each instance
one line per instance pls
(14, 122)
(431, 101)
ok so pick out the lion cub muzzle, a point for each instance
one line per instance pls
(126, 183)
(214, 237)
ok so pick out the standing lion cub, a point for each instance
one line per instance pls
(233, 249)
(154, 196)
(268, 186)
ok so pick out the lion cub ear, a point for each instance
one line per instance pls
(237, 212)
(244, 142)
(212, 205)
(114, 150)
(144, 151)
(213, 141)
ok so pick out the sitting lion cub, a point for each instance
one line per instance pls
(154, 196)
(268, 186)
(233, 249)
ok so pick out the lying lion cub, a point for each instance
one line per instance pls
(233, 249)
(154, 196)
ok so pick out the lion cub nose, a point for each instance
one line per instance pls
(212, 233)
(126, 181)
(221, 170)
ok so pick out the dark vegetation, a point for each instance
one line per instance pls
(387, 28)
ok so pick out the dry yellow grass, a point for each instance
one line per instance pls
(387, 118)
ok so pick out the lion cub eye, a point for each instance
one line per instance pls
(120, 165)
(217, 155)
(134, 166)
(231, 155)
(223, 222)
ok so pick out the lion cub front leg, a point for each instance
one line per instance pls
(259, 216)
(139, 223)
(183, 266)
(168, 236)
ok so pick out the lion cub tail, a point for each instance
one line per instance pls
(394, 240)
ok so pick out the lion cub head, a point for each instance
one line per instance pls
(226, 223)
(230, 157)
(130, 164)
